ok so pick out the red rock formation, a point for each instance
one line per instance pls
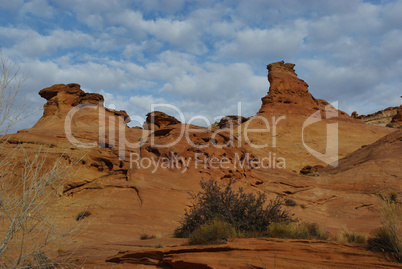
(289, 94)
(62, 98)
(231, 122)
(158, 120)
(127, 200)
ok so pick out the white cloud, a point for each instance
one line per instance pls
(144, 102)
(32, 44)
(205, 56)
(11, 5)
(178, 33)
(39, 8)
(276, 42)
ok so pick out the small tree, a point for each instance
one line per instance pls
(29, 184)
(246, 212)
(10, 85)
(28, 190)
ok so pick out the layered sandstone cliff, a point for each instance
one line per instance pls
(61, 99)
(390, 117)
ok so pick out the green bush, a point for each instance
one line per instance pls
(215, 231)
(246, 212)
(296, 230)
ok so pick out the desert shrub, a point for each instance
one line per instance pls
(303, 206)
(82, 215)
(385, 240)
(215, 231)
(296, 230)
(290, 202)
(388, 237)
(350, 237)
(146, 236)
(246, 212)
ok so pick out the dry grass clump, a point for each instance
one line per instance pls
(351, 237)
(146, 236)
(215, 231)
(388, 238)
(297, 230)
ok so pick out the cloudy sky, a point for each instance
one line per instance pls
(205, 56)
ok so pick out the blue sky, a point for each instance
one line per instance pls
(206, 56)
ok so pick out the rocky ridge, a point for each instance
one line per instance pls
(126, 200)
(389, 117)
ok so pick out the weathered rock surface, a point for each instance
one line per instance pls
(257, 253)
(390, 117)
(289, 94)
(397, 119)
(62, 99)
(118, 179)
(387, 150)
(311, 169)
(296, 123)
(230, 122)
(158, 120)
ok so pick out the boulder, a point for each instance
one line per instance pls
(310, 169)
(158, 120)
(231, 121)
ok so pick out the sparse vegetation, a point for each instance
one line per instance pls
(244, 211)
(350, 237)
(145, 236)
(392, 197)
(11, 83)
(388, 237)
(31, 183)
(290, 202)
(215, 231)
(297, 230)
